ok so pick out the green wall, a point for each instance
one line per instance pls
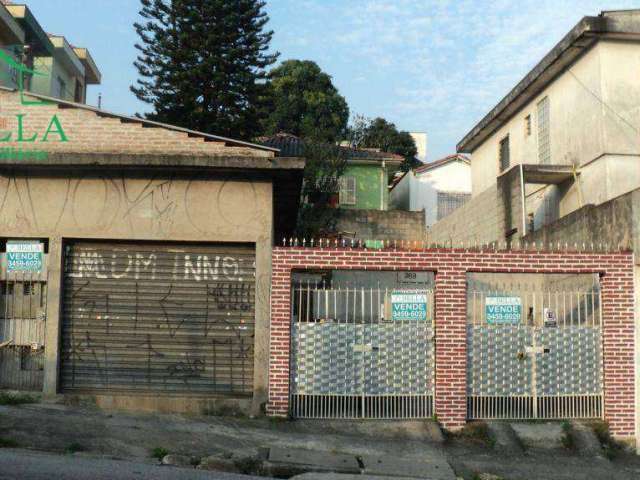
(370, 185)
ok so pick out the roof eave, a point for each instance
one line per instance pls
(93, 76)
(573, 45)
(10, 30)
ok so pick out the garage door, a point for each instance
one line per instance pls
(158, 318)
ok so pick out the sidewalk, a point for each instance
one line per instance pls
(261, 446)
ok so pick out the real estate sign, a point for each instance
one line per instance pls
(24, 256)
(408, 305)
(503, 310)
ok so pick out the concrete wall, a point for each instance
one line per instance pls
(480, 220)
(383, 225)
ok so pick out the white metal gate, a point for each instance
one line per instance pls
(353, 357)
(23, 309)
(542, 360)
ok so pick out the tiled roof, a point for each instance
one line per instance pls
(293, 146)
(443, 161)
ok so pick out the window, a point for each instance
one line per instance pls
(448, 202)
(504, 154)
(79, 93)
(544, 142)
(347, 191)
(527, 126)
(62, 88)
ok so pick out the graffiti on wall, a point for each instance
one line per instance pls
(159, 206)
(161, 322)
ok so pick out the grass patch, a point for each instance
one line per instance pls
(610, 448)
(74, 447)
(249, 466)
(8, 443)
(477, 432)
(16, 398)
(159, 453)
(568, 440)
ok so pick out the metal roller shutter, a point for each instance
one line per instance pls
(158, 318)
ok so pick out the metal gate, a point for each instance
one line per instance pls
(353, 356)
(158, 318)
(23, 307)
(534, 354)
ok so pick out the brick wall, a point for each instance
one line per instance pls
(450, 267)
(479, 221)
(383, 224)
(89, 131)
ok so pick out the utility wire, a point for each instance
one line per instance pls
(603, 103)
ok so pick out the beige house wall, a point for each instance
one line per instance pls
(144, 209)
(594, 126)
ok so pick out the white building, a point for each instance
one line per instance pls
(438, 188)
(420, 138)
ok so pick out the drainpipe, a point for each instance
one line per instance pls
(382, 184)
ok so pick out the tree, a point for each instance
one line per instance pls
(325, 164)
(202, 63)
(379, 133)
(302, 100)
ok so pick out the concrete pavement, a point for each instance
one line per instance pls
(28, 465)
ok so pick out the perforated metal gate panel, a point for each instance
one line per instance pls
(326, 363)
(158, 318)
(536, 369)
(359, 365)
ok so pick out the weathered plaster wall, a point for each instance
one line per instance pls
(114, 207)
(575, 120)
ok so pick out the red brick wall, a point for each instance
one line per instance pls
(450, 267)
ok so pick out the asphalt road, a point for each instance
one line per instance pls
(29, 465)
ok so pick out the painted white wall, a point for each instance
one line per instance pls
(421, 144)
(594, 125)
(419, 191)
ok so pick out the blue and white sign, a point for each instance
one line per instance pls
(24, 256)
(408, 305)
(503, 310)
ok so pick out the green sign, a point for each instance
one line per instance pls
(24, 256)
(503, 310)
(23, 133)
(408, 305)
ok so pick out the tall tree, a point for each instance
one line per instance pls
(379, 133)
(302, 100)
(202, 63)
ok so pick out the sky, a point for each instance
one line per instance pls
(434, 66)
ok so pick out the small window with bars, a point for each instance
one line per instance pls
(504, 154)
(544, 133)
(347, 191)
(450, 201)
